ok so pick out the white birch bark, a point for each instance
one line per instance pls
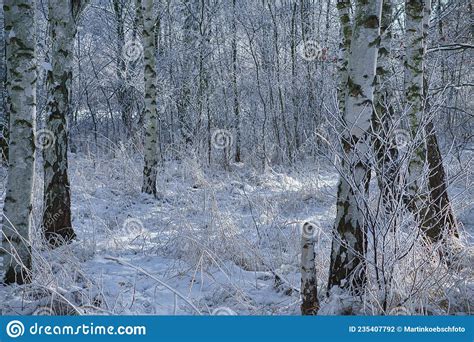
(343, 7)
(349, 244)
(4, 119)
(443, 220)
(385, 148)
(63, 16)
(414, 10)
(309, 282)
(21, 87)
(150, 110)
(417, 14)
(428, 200)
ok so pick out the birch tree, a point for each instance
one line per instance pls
(57, 223)
(238, 134)
(417, 202)
(444, 220)
(428, 201)
(343, 7)
(348, 265)
(309, 281)
(4, 119)
(384, 145)
(150, 110)
(21, 88)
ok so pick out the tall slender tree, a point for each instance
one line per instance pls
(444, 220)
(428, 200)
(21, 89)
(4, 119)
(343, 7)
(417, 191)
(348, 264)
(238, 134)
(386, 153)
(309, 281)
(63, 19)
(150, 111)
(384, 145)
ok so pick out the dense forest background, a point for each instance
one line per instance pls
(237, 157)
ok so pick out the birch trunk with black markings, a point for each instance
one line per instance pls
(348, 264)
(150, 111)
(444, 220)
(21, 88)
(309, 281)
(427, 198)
(57, 222)
(343, 7)
(384, 143)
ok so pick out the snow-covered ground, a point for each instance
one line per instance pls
(214, 242)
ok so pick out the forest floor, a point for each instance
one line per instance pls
(218, 242)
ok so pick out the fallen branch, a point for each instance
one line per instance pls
(450, 47)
